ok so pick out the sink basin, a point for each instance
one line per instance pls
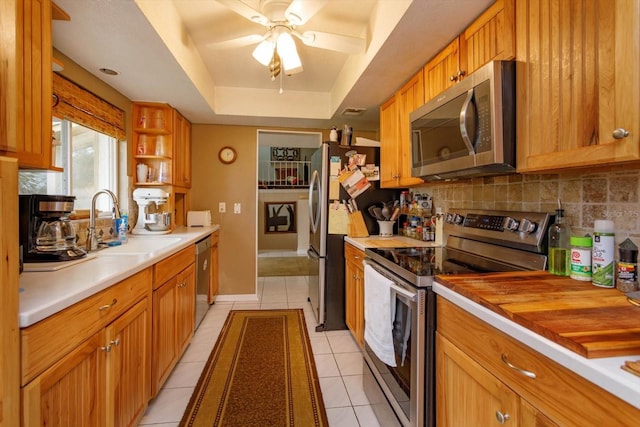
(141, 246)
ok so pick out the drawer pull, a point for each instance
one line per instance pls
(502, 418)
(107, 306)
(514, 367)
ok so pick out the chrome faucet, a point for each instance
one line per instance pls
(92, 240)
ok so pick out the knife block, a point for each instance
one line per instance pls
(357, 227)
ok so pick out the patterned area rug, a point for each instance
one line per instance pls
(283, 266)
(261, 372)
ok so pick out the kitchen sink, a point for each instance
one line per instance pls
(141, 246)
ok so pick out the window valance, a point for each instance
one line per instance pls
(78, 105)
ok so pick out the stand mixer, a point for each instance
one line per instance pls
(151, 223)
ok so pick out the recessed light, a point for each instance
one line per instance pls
(108, 71)
(351, 111)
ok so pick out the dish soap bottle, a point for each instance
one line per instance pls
(559, 245)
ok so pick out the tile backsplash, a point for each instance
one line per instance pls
(105, 228)
(585, 197)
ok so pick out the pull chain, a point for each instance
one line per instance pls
(281, 90)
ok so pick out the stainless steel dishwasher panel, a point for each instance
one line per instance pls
(203, 261)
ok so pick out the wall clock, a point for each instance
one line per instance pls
(227, 155)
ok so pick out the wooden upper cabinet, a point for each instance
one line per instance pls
(578, 87)
(389, 174)
(490, 37)
(441, 72)
(182, 151)
(411, 96)
(395, 134)
(27, 86)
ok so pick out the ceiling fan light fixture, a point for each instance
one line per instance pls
(288, 53)
(263, 53)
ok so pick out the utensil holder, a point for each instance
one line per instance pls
(386, 228)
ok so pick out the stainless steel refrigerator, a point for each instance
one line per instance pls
(326, 251)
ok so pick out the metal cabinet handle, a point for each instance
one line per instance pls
(107, 306)
(515, 368)
(106, 348)
(620, 133)
(115, 342)
(502, 418)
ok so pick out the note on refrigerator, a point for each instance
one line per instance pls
(334, 188)
(338, 218)
(335, 165)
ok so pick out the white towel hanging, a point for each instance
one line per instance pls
(378, 315)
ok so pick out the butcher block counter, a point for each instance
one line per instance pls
(588, 330)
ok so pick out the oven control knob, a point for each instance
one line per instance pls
(448, 218)
(457, 219)
(511, 224)
(527, 226)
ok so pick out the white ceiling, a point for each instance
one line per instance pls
(161, 50)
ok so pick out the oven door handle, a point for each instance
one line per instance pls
(410, 295)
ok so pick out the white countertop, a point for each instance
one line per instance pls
(45, 293)
(604, 372)
(388, 242)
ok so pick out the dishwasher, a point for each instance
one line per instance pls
(203, 276)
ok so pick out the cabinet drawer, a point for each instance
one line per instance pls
(353, 254)
(177, 262)
(48, 340)
(559, 393)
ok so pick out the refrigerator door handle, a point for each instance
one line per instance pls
(314, 217)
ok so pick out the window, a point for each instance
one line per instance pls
(89, 160)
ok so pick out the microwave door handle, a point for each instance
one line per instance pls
(463, 122)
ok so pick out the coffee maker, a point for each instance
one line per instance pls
(46, 233)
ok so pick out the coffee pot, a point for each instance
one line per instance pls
(46, 233)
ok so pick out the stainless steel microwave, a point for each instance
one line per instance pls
(469, 129)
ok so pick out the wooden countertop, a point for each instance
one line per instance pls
(591, 321)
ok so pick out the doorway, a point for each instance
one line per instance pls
(282, 200)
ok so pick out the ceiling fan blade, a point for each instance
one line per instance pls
(330, 41)
(300, 11)
(237, 42)
(242, 9)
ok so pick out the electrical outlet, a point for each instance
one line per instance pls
(222, 207)
(236, 208)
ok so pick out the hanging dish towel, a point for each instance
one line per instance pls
(377, 315)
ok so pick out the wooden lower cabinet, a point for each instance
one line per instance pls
(354, 292)
(214, 271)
(102, 382)
(458, 377)
(475, 386)
(173, 323)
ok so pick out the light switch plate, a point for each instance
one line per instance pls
(236, 208)
(222, 207)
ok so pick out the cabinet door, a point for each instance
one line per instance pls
(577, 83)
(214, 282)
(128, 366)
(530, 416)
(467, 394)
(389, 173)
(490, 37)
(186, 304)
(441, 72)
(30, 76)
(164, 335)
(72, 391)
(351, 297)
(182, 151)
(410, 97)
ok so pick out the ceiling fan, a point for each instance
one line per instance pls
(276, 47)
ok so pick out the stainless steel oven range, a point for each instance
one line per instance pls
(402, 393)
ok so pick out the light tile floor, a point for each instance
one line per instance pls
(337, 356)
